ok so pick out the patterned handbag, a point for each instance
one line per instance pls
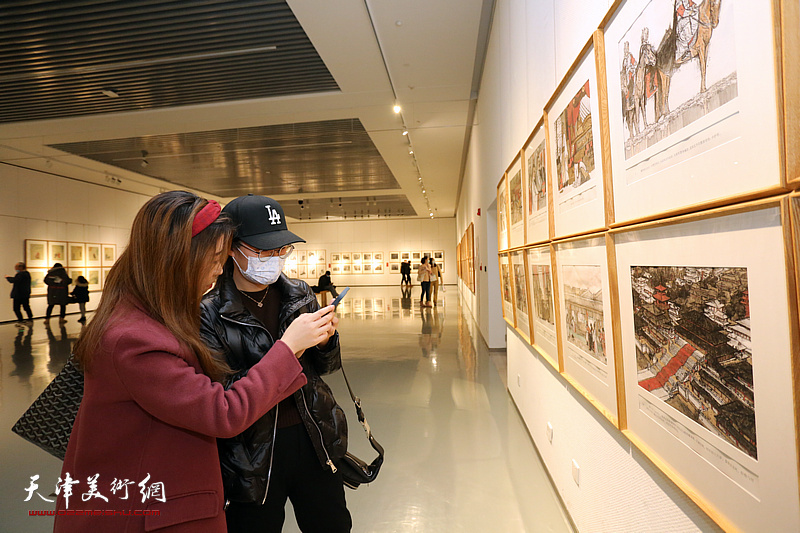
(48, 421)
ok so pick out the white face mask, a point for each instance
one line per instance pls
(262, 272)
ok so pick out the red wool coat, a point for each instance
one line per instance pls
(149, 421)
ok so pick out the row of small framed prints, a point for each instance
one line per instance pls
(44, 254)
(466, 257)
(683, 332)
(394, 257)
(679, 135)
(95, 276)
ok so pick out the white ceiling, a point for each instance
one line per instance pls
(429, 48)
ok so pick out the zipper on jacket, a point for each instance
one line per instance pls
(271, 455)
(321, 439)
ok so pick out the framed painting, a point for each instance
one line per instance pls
(109, 255)
(103, 276)
(416, 257)
(36, 254)
(543, 313)
(93, 277)
(313, 271)
(394, 257)
(366, 257)
(321, 256)
(516, 204)
(535, 164)
(576, 147)
(336, 268)
(93, 255)
(394, 268)
(357, 268)
(709, 348)
(366, 268)
(377, 268)
(311, 257)
(76, 254)
(520, 286)
(790, 47)
(302, 271)
(502, 215)
(347, 257)
(694, 114)
(302, 256)
(438, 256)
(378, 256)
(336, 258)
(356, 257)
(585, 321)
(74, 273)
(38, 286)
(506, 289)
(405, 256)
(347, 268)
(56, 253)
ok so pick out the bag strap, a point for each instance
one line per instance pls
(361, 418)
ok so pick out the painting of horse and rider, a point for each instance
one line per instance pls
(677, 64)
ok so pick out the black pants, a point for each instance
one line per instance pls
(24, 303)
(426, 291)
(50, 310)
(316, 493)
(406, 279)
(331, 289)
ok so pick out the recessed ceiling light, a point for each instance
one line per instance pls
(398, 22)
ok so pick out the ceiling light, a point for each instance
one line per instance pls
(410, 152)
(110, 92)
(405, 132)
(396, 109)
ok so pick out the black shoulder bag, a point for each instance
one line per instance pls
(354, 470)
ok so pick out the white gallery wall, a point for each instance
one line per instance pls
(380, 235)
(40, 206)
(532, 44)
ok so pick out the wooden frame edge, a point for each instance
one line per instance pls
(557, 308)
(790, 216)
(616, 331)
(605, 125)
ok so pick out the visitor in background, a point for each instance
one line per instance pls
(21, 293)
(405, 272)
(424, 277)
(58, 283)
(436, 276)
(325, 284)
(81, 295)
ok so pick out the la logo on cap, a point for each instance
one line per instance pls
(274, 216)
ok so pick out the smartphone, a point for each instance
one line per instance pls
(338, 299)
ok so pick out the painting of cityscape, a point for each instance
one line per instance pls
(506, 279)
(520, 290)
(542, 290)
(677, 64)
(574, 143)
(693, 349)
(502, 213)
(537, 180)
(583, 297)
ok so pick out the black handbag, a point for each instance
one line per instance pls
(354, 470)
(48, 421)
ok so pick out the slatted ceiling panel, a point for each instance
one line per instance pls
(312, 157)
(56, 55)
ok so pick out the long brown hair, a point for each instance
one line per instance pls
(161, 270)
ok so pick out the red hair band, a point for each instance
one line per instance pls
(205, 217)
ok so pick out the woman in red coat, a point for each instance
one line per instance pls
(142, 455)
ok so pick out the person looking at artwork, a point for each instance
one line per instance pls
(292, 451)
(325, 284)
(405, 273)
(436, 277)
(80, 295)
(21, 293)
(424, 277)
(154, 398)
(58, 283)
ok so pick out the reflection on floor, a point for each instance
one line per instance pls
(458, 457)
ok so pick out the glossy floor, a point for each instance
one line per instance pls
(458, 458)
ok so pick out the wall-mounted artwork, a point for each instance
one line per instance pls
(520, 294)
(576, 149)
(347, 268)
(507, 289)
(405, 256)
(516, 204)
(416, 257)
(356, 257)
(693, 111)
(336, 258)
(366, 257)
(76, 254)
(357, 268)
(346, 257)
(502, 215)
(377, 268)
(93, 277)
(336, 268)
(394, 268)
(537, 218)
(542, 303)
(93, 255)
(109, 255)
(36, 254)
(708, 355)
(103, 276)
(585, 321)
(377, 256)
(57, 253)
(38, 286)
(394, 256)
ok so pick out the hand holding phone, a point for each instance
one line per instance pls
(338, 299)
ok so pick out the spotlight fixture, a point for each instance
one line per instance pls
(411, 152)
(405, 132)
(397, 109)
(144, 162)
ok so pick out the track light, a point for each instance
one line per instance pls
(397, 109)
(144, 162)
(405, 132)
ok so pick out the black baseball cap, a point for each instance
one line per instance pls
(260, 222)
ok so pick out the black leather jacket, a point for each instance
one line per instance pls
(229, 328)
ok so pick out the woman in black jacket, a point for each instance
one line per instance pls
(81, 295)
(21, 292)
(58, 283)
